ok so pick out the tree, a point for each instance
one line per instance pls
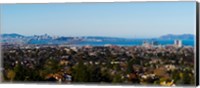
(51, 66)
(105, 76)
(94, 73)
(19, 70)
(11, 75)
(130, 66)
(80, 73)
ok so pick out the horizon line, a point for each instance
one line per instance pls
(96, 35)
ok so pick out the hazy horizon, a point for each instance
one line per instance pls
(101, 36)
(126, 20)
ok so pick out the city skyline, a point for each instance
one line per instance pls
(127, 20)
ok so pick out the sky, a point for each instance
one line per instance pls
(128, 20)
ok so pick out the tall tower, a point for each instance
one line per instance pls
(178, 43)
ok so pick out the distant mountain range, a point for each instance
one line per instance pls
(172, 37)
(13, 35)
(47, 39)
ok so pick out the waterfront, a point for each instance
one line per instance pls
(136, 42)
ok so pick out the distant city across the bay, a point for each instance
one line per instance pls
(168, 39)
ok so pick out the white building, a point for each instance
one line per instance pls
(178, 43)
(146, 44)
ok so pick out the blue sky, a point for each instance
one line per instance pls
(129, 20)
